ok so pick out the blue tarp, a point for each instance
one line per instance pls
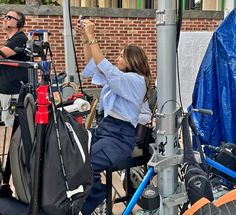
(215, 86)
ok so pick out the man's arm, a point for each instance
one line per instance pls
(18, 40)
(6, 52)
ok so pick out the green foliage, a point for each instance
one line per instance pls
(45, 2)
(12, 1)
(50, 2)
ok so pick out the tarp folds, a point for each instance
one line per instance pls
(215, 86)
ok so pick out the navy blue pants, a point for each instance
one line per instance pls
(12, 206)
(112, 141)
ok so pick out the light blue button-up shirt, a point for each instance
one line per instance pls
(122, 93)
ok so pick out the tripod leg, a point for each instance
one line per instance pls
(4, 145)
(7, 169)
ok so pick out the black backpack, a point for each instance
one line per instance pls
(197, 182)
(21, 147)
(61, 193)
(66, 173)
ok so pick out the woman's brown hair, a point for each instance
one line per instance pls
(137, 61)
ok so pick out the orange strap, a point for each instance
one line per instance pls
(228, 197)
(196, 206)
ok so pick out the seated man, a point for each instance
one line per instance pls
(11, 78)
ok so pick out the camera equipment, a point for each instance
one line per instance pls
(37, 44)
(225, 155)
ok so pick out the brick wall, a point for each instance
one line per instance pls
(200, 24)
(112, 33)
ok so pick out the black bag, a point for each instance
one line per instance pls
(21, 146)
(12, 206)
(66, 173)
(197, 184)
(225, 154)
(143, 134)
(18, 160)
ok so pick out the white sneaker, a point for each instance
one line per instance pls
(101, 209)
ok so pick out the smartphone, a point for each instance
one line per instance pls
(81, 18)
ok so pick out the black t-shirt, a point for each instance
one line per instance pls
(11, 77)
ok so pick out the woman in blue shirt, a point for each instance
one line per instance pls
(126, 86)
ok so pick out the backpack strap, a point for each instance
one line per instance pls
(24, 126)
(196, 135)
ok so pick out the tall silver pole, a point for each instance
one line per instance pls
(167, 134)
(68, 46)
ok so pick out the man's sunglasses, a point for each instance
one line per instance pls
(8, 17)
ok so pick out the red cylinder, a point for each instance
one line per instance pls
(41, 116)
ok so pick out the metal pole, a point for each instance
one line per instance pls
(36, 197)
(167, 137)
(41, 118)
(68, 45)
(32, 73)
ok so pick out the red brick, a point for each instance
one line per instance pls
(112, 34)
